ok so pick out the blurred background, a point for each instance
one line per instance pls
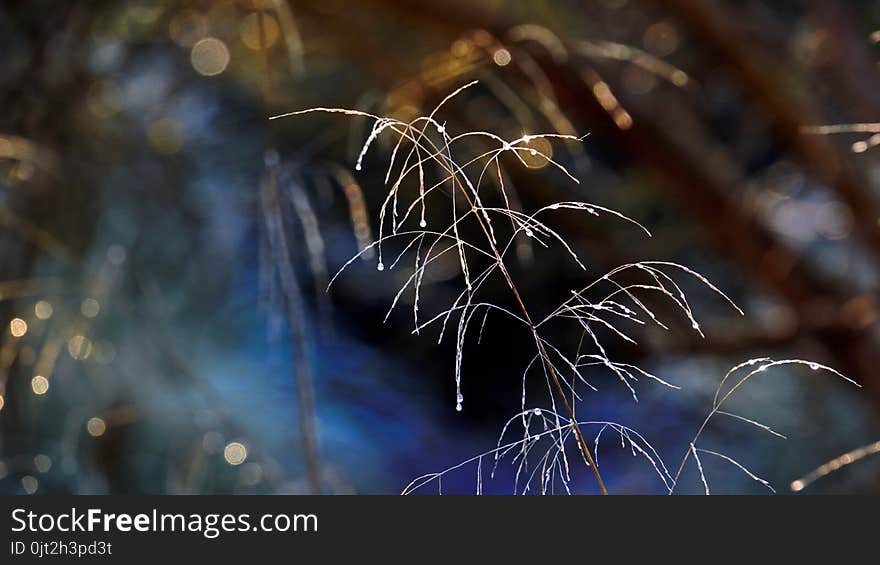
(165, 246)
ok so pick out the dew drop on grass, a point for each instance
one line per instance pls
(459, 398)
(458, 407)
(695, 325)
(423, 224)
(529, 232)
(814, 366)
(536, 411)
(380, 266)
(357, 167)
(533, 151)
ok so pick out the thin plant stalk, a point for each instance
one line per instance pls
(296, 319)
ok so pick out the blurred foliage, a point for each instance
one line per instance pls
(166, 246)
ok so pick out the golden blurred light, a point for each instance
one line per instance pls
(604, 95)
(209, 56)
(39, 384)
(539, 153)
(461, 47)
(679, 78)
(43, 310)
(482, 38)
(609, 102)
(501, 57)
(187, 27)
(622, 119)
(661, 39)
(797, 486)
(90, 307)
(2, 402)
(251, 29)
(18, 327)
(405, 113)
(42, 463)
(357, 209)
(79, 347)
(165, 136)
(30, 484)
(409, 93)
(862, 146)
(96, 427)
(235, 453)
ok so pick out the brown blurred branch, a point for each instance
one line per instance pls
(715, 28)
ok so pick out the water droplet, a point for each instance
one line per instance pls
(533, 151)
(695, 325)
(814, 366)
(441, 129)
(536, 411)
(380, 266)
(529, 232)
(506, 146)
(554, 206)
(357, 167)
(459, 398)
(458, 407)
(423, 224)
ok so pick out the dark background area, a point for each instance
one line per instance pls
(178, 337)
